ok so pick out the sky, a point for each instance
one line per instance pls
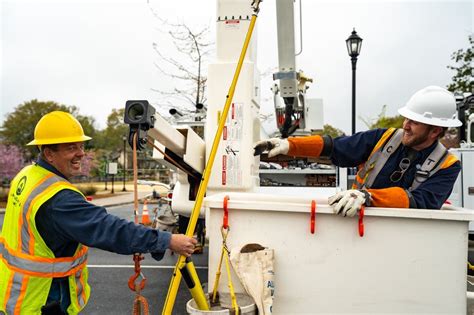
(98, 54)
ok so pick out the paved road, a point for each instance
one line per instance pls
(109, 274)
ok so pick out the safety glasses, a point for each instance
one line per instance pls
(398, 174)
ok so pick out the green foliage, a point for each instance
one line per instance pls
(101, 159)
(382, 121)
(87, 190)
(106, 145)
(329, 130)
(111, 138)
(19, 125)
(110, 145)
(87, 123)
(388, 122)
(463, 78)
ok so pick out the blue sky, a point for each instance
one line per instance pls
(97, 54)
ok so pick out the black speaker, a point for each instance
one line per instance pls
(139, 113)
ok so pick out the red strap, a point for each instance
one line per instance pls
(313, 216)
(225, 220)
(361, 221)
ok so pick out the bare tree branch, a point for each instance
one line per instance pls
(187, 63)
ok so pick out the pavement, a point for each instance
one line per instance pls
(109, 272)
(118, 198)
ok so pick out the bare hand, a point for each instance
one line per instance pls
(182, 244)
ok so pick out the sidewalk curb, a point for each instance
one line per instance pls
(2, 210)
(113, 204)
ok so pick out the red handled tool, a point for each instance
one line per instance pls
(313, 216)
(225, 220)
(361, 221)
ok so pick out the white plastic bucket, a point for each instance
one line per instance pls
(166, 223)
(470, 302)
(245, 302)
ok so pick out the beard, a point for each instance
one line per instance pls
(410, 140)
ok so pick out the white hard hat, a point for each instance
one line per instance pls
(432, 105)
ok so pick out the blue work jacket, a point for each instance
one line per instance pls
(67, 219)
(351, 151)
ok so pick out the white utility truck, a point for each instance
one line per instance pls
(388, 261)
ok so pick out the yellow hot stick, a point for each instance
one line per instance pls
(200, 299)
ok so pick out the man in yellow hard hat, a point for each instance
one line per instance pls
(48, 225)
(398, 168)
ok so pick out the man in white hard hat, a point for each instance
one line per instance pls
(400, 168)
(48, 224)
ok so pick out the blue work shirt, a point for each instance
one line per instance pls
(68, 219)
(351, 151)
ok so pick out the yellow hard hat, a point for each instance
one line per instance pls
(58, 127)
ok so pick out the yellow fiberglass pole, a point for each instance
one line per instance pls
(200, 299)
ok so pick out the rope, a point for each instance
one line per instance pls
(235, 306)
(135, 179)
(140, 304)
(225, 253)
(171, 160)
(218, 276)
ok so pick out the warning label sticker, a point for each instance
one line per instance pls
(232, 136)
(232, 24)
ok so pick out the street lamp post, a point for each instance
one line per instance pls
(106, 171)
(354, 43)
(124, 162)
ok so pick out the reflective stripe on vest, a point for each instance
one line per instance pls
(389, 143)
(26, 233)
(42, 266)
(80, 293)
(430, 166)
(15, 284)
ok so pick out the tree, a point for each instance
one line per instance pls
(109, 145)
(111, 138)
(463, 82)
(19, 125)
(329, 130)
(11, 161)
(382, 121)
(463, 78)
(186, 65)
(88, 163)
